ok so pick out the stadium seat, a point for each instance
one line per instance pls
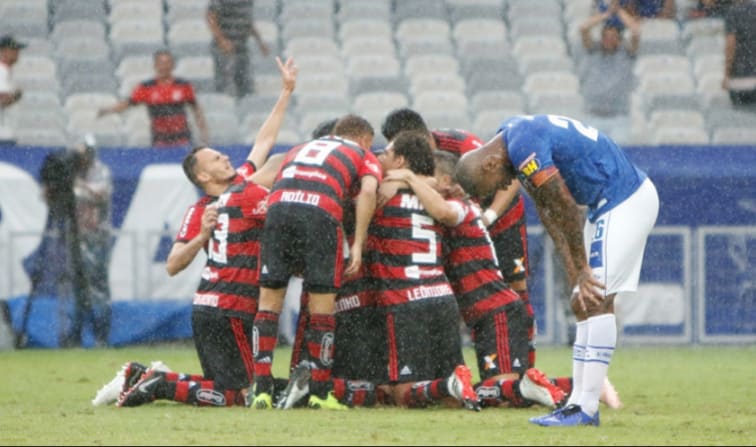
(186, 9)
(555, 81)
(365, 27)
(307, 27)
(545, 45)
(86, 83)
(373, 65)
(675, 118)
(301, 47)
(705, 26)
(76, 9)
(291, 11)
(438, 119)
(190, 37)
(364, 9)
(568, 103)
(135, 11)
(536, 26)
(91, 29)
(316, 102)
(734, 136)
(435, 100)
(425, 45)
(481, 28)
(462, 11)
(332, 83)
(485, 80)
(419, 28)
(255, 103)
(705, 45)
(661, 63)
(46, 137)
(24, 18)
(217, 102)
(497, 99)
(436, 82)
(430, 63)
(363, 46)
(528, 8)
(680, 135)
(366, 84)
(379, 100)
(89, 102)
(142, 66)
(420, 9)
(132, 38)
(199, 70)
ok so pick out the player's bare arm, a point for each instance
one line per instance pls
(563, 220)
(365, 208)
(183, 253)
(268, 133)
(502, 199)
(432, 201)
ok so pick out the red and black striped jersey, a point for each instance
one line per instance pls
(456, 141)
(511, 216)
(323, 173)
(230, 279)
(191, 225)
(472, 267)
(166, 104)
(405, 256)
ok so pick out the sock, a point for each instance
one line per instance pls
(179, 377)
(578, 359)
(525, 297)
(199, 393)
(319, 342)
(602, 339)
(426, 392)
(264, 334)
(494, 391)
(298, 350)
(355, 393)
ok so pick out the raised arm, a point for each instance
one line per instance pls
(587, 26)
(268, 133)
(501, 201)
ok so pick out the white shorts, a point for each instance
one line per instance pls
(616, 242)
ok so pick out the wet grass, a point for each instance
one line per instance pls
(672, 395)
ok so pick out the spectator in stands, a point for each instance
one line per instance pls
(166, 98)
(652, 9)
(709, 9)
(93, 190)
(740, 54)
(9, 92)
(607, 71)
(231, 24)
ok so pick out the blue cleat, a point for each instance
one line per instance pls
(569, 416)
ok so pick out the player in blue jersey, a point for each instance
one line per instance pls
(564, 164)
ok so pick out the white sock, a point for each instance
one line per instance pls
(578, 359)
(602, 338)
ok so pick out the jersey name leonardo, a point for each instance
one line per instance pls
(405, 252)
(596, 171)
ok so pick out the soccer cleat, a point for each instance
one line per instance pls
(459, 385)
(609, 395)
(298, 388)
(132, 372)
(536, 387)
(262, 401)
(110, 392)
(569, 416)
(329, 403)
(143, 391)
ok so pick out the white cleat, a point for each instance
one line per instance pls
(110, 392)
(536, 387)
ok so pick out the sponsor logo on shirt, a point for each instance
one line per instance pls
(530, 166)
(205, 299)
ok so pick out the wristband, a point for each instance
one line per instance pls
(490, 215)
(576, 290)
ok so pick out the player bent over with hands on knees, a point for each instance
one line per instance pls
(562, 164)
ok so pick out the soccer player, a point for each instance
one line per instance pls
(504, 216)
(563, 163)
(493, 312)
(423, 353)
(303, 235)
(226, 223)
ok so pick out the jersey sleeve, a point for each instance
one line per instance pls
(191, 224)
(139, 95)
(531, 156)
(256, 199)
(247, 169)
(461, 208)
(371, 166)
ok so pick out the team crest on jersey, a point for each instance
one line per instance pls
(530, 166)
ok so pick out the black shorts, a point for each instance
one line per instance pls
(358, 340)
(511, 246)
(224, 348)
(501, 341)
(422, 340)
(299, 240)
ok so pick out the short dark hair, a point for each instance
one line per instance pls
(325, 128)
(352, 127)
(161, 52)
(446, 162)
(416, 149)
(189, 163)
(403, 119)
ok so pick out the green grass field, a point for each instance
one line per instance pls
(672, 396)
